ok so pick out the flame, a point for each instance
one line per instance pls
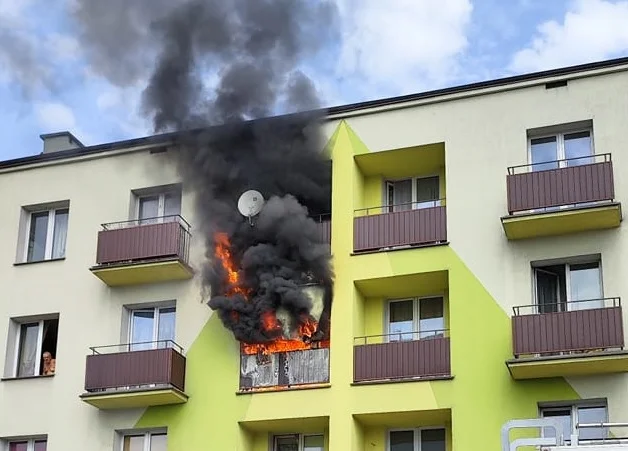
(305, 330)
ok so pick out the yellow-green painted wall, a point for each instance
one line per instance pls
(481, 396)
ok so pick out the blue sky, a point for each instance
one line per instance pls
(51, 80)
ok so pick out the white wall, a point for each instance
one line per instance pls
(90, 311)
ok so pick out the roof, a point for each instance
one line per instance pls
(163, 139)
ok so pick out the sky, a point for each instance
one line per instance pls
(61, 67)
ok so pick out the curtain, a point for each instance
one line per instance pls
(27, 362)
(166, 326)
(60, 233)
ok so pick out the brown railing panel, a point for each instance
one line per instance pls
(122, 369)
(410, 227)
(563, 186)
(579, 330)
(142, 242)
(324, 229)
(402, 359)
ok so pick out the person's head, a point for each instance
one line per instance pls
(47, 357)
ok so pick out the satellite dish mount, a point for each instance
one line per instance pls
(250, 204)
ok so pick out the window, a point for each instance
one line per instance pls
(298, 442)
(412, 193)
(146, 441)
(568, 286)
(420, 439)
(151, 328)
(410, 319)
(571, 415)
(45, 234)
(158, 206)
(35, 347)
(561, 150)
(28, 445)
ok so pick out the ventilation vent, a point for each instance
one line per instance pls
(555, 84)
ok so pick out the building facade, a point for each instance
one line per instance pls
(479, 269)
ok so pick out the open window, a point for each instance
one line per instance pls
(299, 442)
(568, 286)
(418, 439)
(415, 318)
(412, 193)
(32, 347)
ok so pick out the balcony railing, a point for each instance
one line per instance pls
(560, 183)
(160, 238)
(135, 365)
(408, 355)
(408, 224)
(323, 222)
(551, 329)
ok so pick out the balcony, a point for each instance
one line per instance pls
(399, 226)
(135, 375)
(323, 223)
(401, 357)
(575, 196)
(568, 339)
(143, 251)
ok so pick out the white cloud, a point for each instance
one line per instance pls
(62, 46)
(400, 45)
(591, 30)
(54, 117)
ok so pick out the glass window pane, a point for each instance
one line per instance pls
(427, 192)
(142, 324)
(402, 195)
(166, 325)
(41, 445)
(544, 153)
(585, 285)
(149, 209)
(313, 443)
(433, 440)
(28, 354)
(133, 443)
(60, 233)
(18, 446)
(401, 440)
(401, 320)
(564, 417)
(158, 442)
(287, 443)
(578, 145)
(37, 236)
(431, 318)
(172, 204)
(592, 415)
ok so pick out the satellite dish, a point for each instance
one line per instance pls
(250, 203)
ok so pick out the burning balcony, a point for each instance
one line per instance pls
(402, 356)
(135, 375)
(560, 197)
(568, 339)
(143, 251)
(323, 222)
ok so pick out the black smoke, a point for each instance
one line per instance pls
(228, 142)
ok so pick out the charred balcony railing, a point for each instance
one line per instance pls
(323, 222)
(409, 355)
(119, 367)
(560, 183)
(552, 329)
(142, 240)
(406, 224)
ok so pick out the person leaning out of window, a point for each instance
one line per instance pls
(49, 364)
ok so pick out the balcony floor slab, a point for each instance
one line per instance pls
(585, 364)
(132, 399)
(144, 272)
(562, 222)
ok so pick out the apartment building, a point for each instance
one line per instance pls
(478, 253)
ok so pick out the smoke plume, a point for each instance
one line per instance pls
(252, 51)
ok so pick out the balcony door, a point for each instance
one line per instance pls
(152, 328)
(414, 319)
(412, 193)
(568, 287)
(561, 150)
(160, 207)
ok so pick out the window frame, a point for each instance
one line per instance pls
(566, 264)
(416, 316)
(560, 144)
(388, 182)
(161, 207)
(145, 434)
(40, 339)
(155, 310)
(52, 216)
(301, 439)
(417, 435)
(30, 442)
(573, 407)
